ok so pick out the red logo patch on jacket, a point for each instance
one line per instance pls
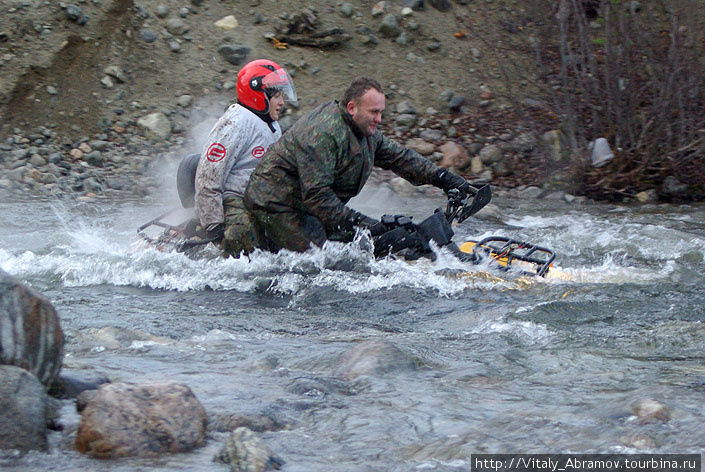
(216, 152)
(258, 152)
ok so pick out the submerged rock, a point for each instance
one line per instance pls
(373, 357)
(141, 420)
(246, 452)
(649, 410)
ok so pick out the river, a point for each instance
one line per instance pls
(506, 364)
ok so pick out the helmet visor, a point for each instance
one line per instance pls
(280, 81)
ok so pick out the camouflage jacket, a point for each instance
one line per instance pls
(323, 161)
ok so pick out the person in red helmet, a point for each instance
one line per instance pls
(234, 146)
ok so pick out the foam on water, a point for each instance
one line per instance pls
(85, 251)
(614, 235)
(526, 331)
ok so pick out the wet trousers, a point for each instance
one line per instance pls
(240, 236)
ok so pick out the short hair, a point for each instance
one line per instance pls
(358, 87)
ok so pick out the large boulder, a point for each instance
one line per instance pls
(30, 332)
(23, 410)
(141, 420)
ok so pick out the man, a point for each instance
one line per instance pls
(234, 146)
(298, 194)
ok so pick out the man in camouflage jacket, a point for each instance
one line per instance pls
(298, 194)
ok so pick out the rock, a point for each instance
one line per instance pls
(37, 161)
(404, 107)
(638, 441)
(454, 155)
(110, 337)
(375, 357)
(523, 144)
(445, 96)
(557, 195)
(107, 82)
(403, 39)
(162, 11)
(177, 26)
(601, 152)
(141, 420)
(73, 13)
(255, 422)
(405, 121)
(431, 134)
(422, 147)
(530, 192)
(30, 332)
(379, 8)
(490, 212)
(234, 54)
(485, 93)
(116, 72)
(433, 45)
(99, 144)
(71, 385)
(184, 101)
(476, 165)
(174, 46)
(227, 23)
(456, 102)
(490, 154)
(246, 452)
(23, 410)
(389, 27)
(649, 410)
(95, 158)
(156, 124)
(147, 35)
(672, 187)
(440, 5)
(416, 5)
(347, 10)
(647, 196)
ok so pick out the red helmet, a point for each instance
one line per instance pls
(258, 80)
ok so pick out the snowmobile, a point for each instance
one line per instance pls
(400, 236)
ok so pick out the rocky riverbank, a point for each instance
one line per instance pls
(100, 93)
(124, 158)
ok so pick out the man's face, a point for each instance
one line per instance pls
(276, 103)
(367, 111)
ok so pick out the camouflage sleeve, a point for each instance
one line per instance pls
(317, 167)
(404, 162)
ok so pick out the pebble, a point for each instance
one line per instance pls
(147, 35)
(162, 11)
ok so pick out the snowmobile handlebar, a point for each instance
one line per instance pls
(460, 207)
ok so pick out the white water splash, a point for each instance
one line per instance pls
(104, 249)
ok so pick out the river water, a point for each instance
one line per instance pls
(505, 364)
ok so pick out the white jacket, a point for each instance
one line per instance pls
(233, 148)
